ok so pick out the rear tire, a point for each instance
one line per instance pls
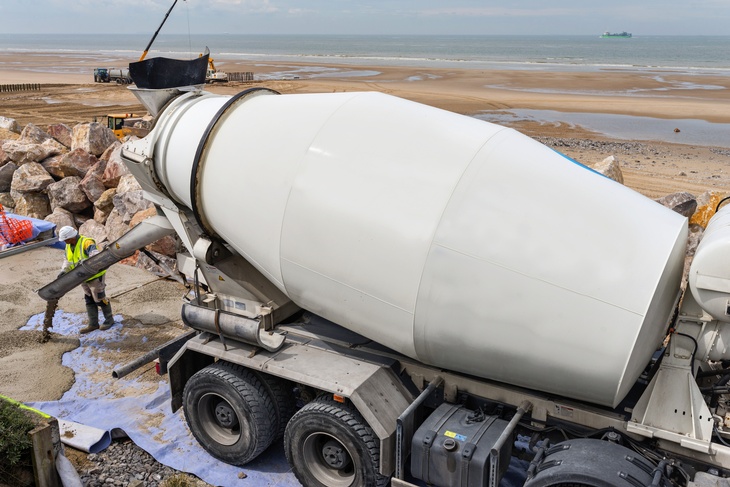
(282, 396)
(230, 412)
(328, 444)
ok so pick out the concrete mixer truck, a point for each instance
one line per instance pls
(401, 293)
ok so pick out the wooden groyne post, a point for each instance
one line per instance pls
(240, 76)
(20, 87)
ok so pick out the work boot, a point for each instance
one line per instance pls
(93, 313)
(106, 309)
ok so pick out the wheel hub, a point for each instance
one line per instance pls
(225, 416)
(335, 455)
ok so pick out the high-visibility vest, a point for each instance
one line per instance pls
(78, 253)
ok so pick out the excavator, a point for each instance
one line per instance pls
(212, 75)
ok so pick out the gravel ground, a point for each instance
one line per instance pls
(125, 464)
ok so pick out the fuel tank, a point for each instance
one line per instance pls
(462, 244)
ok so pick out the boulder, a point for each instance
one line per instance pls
(80, 219)
(611, 168)
(128, 183)
(683, 203)
(706, 204)
(34, 205)
(116, 146)
(30, 177)
(9, 124)
(6, 135)
(105, 202)
(100, 216)
(128, 204)
(115, 168)
(67, 194)
(32, 134)
(6, 176)
(131, 203)
(53, 166)
(115, 225)
(4, 157)
(74, 163)
(62, 133)
(92, 184)
(95, 230)
(92, 137)
(23, 152)
(7, 200)
(61, 218)
(141, 216)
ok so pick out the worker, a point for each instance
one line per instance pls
(79, 248)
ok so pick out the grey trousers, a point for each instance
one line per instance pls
(95, 288)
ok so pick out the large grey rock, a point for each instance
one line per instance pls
(106, 200)
(67, 194)
(92, 137)
(4, 157)
(80, 219)
(95, 230)
(22, 152)
(53, 166)
(115, 225)
(104, 205)
(9, 124)
(61, 133)
(115, 147)
(683, 203)
(74, 163)
(115, 168)
(611, 168)
(92, 184)
(30, 177)
(128, 183)
(7, 200)
(128, 204)
(61, 218)
(34, 134)
(6, 176)
(34, 205)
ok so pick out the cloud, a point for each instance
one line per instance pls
(498, 12)
(242, 6)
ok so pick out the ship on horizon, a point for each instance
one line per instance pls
(620, 34)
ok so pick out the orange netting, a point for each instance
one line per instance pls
(12, 230)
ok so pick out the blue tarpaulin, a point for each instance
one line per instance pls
(141, 409)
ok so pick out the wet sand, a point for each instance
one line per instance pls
(655, 168)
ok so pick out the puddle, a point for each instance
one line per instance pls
(626, 127)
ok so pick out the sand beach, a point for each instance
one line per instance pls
(663, 164)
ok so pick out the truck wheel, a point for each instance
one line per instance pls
(282, 396)
(592, 463)
(229, 412)
(329, 444)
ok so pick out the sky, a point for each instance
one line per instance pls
(376, 17)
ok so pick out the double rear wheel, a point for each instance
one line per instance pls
(235, 413)
(329, 444)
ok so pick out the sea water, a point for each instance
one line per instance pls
(358, 56)
(686, 54)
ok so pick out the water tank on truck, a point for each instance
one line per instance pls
(459, 243)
